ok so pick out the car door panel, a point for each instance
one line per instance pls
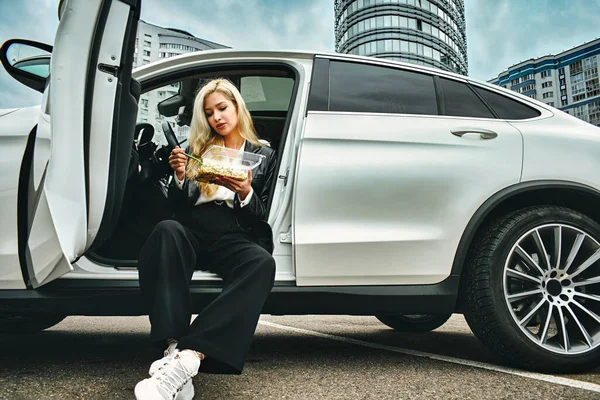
(83, 178)
(384, 199)
(106, 86)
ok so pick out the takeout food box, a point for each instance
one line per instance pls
(219, 161)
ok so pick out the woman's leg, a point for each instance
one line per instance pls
(166, 264)
(223, 331)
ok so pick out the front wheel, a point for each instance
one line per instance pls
(532, 289)
(28, 323)
(414, 322)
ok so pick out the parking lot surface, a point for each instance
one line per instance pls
(304, 357)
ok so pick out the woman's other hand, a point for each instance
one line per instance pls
(177, 161)
(242, 188)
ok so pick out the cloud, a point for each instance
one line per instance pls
(505, 32)
(251, 24)
(243, 24)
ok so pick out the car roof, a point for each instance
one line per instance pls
(309, 55)
(300, 54)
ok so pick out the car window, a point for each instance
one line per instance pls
(266, 93)
(148, 112)
(507, 108)
(368, 88)
(460, 101)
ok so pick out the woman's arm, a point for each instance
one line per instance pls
(257, 206)
(178, 195)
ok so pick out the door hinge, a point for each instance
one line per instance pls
(109, 69)
(286, 237)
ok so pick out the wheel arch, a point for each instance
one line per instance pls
(577, 196)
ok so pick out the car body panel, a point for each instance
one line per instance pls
(383, 199)
(15, 126)
(7, 111)
(562, 148)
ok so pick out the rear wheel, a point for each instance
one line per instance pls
(28, 323)
(532, 285)
(414, 322)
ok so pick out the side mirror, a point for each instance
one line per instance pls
(27, 61)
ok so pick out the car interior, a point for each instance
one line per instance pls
(269, 94)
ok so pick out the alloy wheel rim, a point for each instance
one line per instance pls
(551, 286)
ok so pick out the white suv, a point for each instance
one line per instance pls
(404, 192)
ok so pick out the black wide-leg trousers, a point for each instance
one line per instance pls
(224, 329)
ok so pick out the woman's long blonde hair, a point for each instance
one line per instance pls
(202, 135)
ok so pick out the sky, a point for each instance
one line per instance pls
(500, 33)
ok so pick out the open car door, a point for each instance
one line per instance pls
(79, 155)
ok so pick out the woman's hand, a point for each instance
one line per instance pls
(177, 161)
(242, 188)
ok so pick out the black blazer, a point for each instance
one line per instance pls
(252, 217)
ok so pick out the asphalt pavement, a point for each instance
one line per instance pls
(305, 357)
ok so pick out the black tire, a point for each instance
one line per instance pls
(414, 322)
(487, 308)
(28, 323)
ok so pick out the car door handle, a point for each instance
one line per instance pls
(483, 133)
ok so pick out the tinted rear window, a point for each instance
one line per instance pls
(367, 88)
(460, 101)
(507, 108)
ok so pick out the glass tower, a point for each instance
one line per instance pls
(426, 32)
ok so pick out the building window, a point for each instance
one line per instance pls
(589, 62)
(147, 43)
(592, 88)
(146, 53)
(561, 71)
(563, 103)
(147, 35)
(526, 88)
(144, 102)
(546, 74)
(546, 84)
(576, 68)
(547, 95)
(590, 73)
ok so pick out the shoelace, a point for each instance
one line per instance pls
(170, 380)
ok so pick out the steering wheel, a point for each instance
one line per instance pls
(170, 136)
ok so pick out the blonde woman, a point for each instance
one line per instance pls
(219, 227)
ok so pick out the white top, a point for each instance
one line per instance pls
(222, 193)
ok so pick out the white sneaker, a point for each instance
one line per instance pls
(187, 392)
(171, 381)
(169, 353)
